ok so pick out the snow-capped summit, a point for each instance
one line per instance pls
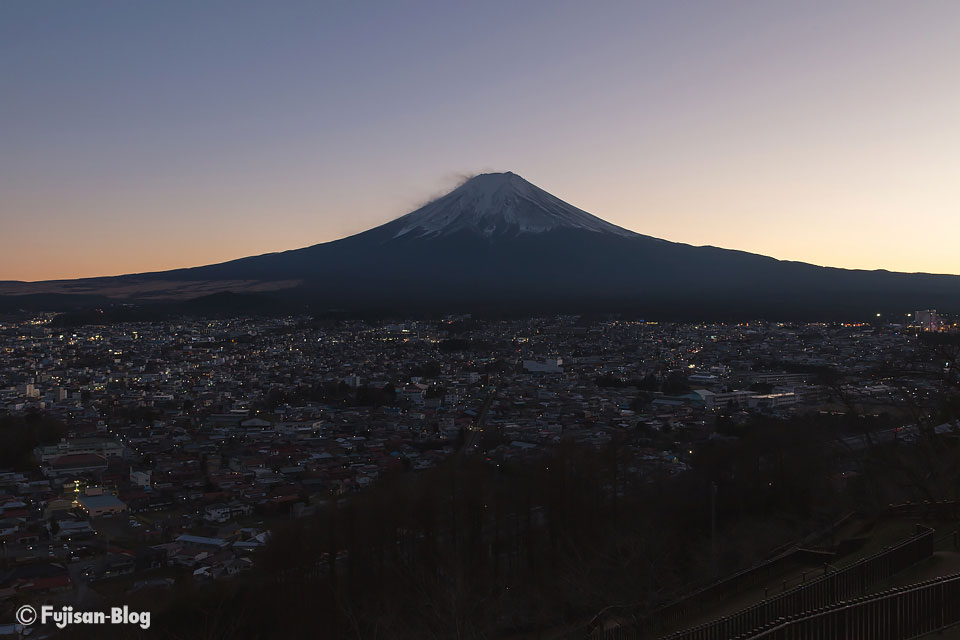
(498, 204)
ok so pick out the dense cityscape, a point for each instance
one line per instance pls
(141, 456)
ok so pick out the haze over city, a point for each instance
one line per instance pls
(142, 137)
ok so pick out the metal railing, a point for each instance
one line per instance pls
(844, 584)
(897, 614)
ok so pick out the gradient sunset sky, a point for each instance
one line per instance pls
(139, 136)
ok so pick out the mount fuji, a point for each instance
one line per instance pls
(499, 242)
(499, 204)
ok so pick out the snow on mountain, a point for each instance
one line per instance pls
(498, 204)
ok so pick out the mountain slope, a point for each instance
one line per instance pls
(497, 205)
(499, 241)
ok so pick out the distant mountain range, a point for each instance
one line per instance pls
(499, 242)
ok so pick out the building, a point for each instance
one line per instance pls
(548, 365)
(104, 447)
(75, 465)
(703, 378)
(203, 543)
(101, 505)
(772, 401)
(142, 479)
(778, 378)
(218, 512)
(927, 320)
(724, 401)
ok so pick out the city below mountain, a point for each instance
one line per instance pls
(497, 242)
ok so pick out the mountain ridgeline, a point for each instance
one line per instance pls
(499, 243)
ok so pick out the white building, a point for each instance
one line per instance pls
(723, 401)
(548, 365)
(773, 401)
(928, 320)
(141, 478)
(97, 446)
